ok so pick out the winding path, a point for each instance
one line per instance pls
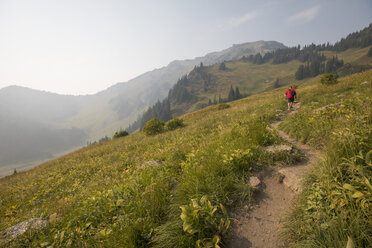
(258, 226)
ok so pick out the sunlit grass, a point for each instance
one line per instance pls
(337, 200)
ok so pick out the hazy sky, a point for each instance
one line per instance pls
(84, 46)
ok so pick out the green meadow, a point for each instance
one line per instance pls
(129, 191)
(179, 188)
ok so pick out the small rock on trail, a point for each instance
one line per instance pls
(254, 182)
(258, 226)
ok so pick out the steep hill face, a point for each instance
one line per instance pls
(34, 125)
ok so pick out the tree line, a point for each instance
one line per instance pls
(312, 52)
(315, 62)
(316, 67)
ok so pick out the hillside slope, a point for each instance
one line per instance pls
(128, 191)
(71, 121)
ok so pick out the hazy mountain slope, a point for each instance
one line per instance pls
(40, 106)
(30, 125)
(29, 117)
(26, 141)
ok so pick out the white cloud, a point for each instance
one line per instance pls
(237, 21)
(306, 15)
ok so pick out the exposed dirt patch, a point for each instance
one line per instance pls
(258, 226)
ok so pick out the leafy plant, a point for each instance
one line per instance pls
(240, 160)
(208, 222)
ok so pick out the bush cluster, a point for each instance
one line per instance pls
(328, 79)
(119, 134)
(153, 126)
(174, 124)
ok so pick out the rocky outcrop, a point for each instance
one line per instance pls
(19, 229)
(33, 224)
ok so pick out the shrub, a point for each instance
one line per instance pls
(174, 124)
(328, 79)
(119, 134)
(223, 106)
(153, 126)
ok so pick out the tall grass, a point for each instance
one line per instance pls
(337, 200)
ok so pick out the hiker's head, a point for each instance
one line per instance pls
(291, 87)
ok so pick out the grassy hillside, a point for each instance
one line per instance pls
(108, 195)
(131, 191)
(254, 78)
(352, 55)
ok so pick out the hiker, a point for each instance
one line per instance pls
(290, 94)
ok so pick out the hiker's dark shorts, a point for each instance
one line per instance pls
(289, 100)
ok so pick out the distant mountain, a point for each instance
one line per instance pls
(36, 125)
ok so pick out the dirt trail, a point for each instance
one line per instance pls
(258, 225)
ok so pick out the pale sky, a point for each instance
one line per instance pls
(84, 46)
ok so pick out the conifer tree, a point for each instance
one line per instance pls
(237, 93)
(300, 72)
(231, 95)
(215, 100)
(276, 83)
